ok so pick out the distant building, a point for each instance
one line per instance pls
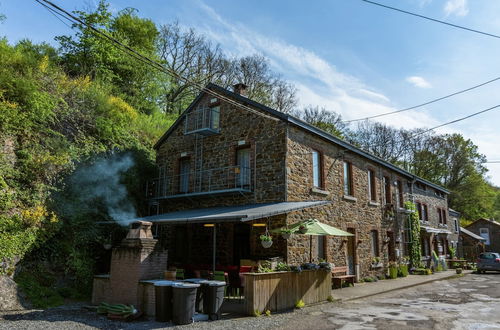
(470, 245)
(489, 230)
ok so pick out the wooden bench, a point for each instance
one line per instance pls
(338, 279)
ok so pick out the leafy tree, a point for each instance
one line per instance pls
(87, 54)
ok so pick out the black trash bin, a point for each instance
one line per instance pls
(213, 297)
(163, 300)
(199, 293)
(184, 300)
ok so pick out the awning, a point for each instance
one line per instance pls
(235, 213)
(471, 234)
(435, 230)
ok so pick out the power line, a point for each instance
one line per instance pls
(144, 59)
(456, 120)
(432, 19)
(423, 104)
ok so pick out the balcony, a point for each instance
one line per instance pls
(204, 121)
(224, 180)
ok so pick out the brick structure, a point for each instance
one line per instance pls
(139, 257)
(285, 160)
(488, 229)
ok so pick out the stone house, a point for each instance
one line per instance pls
(489, 230)
(230, 169)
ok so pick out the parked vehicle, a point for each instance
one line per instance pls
(488, 261)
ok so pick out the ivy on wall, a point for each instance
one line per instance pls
(414, 233)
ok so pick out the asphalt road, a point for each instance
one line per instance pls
(469, 302)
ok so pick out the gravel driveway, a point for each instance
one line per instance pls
(471, 302)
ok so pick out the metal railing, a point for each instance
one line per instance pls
(203, 121)
(217, 180)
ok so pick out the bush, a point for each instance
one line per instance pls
(458, 270)
(300, 304)
(402, 270)
(393, 272)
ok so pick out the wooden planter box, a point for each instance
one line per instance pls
(280, 291)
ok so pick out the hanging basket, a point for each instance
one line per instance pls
(266, 244)
(286, 235)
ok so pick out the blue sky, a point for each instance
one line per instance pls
(346, 55)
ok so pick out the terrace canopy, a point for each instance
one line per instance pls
(223, 214)
(236, 213)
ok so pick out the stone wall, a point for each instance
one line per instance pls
(11, 297)
(357, 213)
(266, 138)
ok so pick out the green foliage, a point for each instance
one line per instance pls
(266, 238)
(414, 225)
(393, 271)
(402, 270)
(282, 267)
(268, 312)
(257, 313)
(300, 304)
(39, 289)
(330, 298)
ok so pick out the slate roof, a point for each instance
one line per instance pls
(302, 124)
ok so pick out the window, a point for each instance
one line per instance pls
(184, 168)
(440, 216)
(425, 212)
(401, 201)
(456, 225)
(485, 233)
(374, 243)
(419, 210)
(445, 220)
(243, 162)
(317, 177)
(372, 188)
(387, 190)
(214, 117)
(348, 189)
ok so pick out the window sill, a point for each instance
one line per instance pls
(373, 203)
(319, 191)
(350, 198)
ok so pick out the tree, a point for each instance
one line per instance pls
(87, 54)
(328, 121)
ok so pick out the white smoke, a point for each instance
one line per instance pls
(102, 181)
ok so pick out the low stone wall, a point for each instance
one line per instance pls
(280, 291)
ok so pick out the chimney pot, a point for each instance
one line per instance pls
(241, 89)
(139, 230)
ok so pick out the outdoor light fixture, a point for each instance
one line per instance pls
(208, 225)
(258, 224)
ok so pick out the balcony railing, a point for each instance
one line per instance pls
(212, 181)
(203, 121)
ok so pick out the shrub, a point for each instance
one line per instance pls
(403, 270)
(282, 267)
(257, 313)
(330, 298)
(268, 312)
(300, 304)
(393, 272)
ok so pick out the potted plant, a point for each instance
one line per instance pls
(286, 233)
(266, 241)
(376, 262)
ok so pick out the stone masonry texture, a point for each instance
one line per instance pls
(281, 161)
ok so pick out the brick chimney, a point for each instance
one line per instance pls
(138, 257)
(241, 89)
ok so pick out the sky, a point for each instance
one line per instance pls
(345, 55)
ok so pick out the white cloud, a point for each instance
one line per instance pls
(456, 7)
(318, 81)
(419, 82)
